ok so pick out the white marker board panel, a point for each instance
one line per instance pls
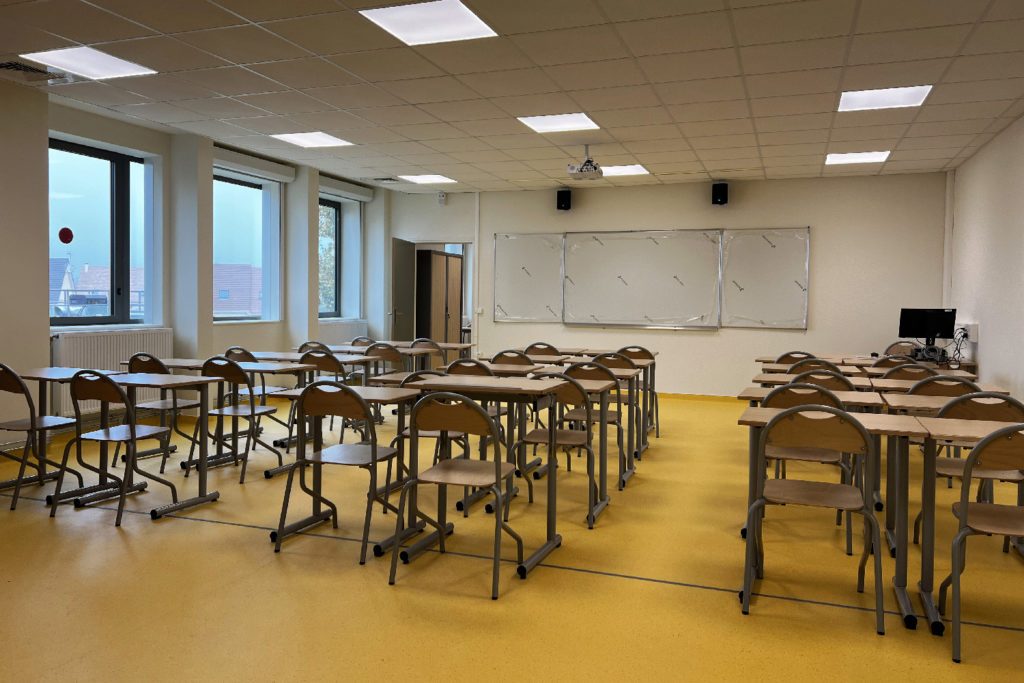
(765, 278)
(646, 278)
(528, 277)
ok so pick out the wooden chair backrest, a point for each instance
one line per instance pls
(793, 356)
(812, 364)
(817, 427)
(420, 374)
(570, 393)
(445, 411)
(984, 405)
(313, 346)
(385, 352)
(902, 348)
(332, 398)
(145, 362)
(789, 395)
(11, 382)
(943, 385)
(892, 361)
(240, 355)
(589, 371)
(468, 366)
(511, 357)
(829, 379)
(541, 349)
(361, 341)
(1003, 449)
(88, 385)
(615, 360)
(227, 369)
(636, 353)
(325, 361)
(909, 371)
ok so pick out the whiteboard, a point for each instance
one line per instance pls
(528, 277)
(646, 278)
(765, 278)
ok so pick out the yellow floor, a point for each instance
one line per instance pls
(650, 593)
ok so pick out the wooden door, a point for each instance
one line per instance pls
(403, 289)
(438, 295)
(453, 302)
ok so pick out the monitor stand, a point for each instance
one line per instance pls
(930, 352)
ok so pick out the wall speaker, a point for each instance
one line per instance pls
(563, 200)
(719, 193)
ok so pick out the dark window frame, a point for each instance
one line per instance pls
(120, 236)
(336, 205)
(239, 318)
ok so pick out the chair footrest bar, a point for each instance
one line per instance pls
(420, 546)
(107, 494)
(393, 486)
(625, 477)
(906, 609)
(489, 508)
(274, 471)
(153, 452)
(285, 442)
(533, 560)
(33, 479)
(541, 471)
(598, 508)
(408, 532)
(157, 513)
(77, 493)
(931, 613)
(890, 540)
(301, 525)
(474, 497)
(879, 505)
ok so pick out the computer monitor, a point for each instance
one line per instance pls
(928, 323)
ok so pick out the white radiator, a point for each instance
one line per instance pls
(104, 350)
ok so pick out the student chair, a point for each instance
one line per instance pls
(892, 361)
(541, 349)
(616, 416)
(943, 385)
(640, 353)
(791, 357)
(361, 341)
(901, 348)
(827, 379)
(909, 371)
(806, 364)
(167, 407)
(436, 360)
(313, 346)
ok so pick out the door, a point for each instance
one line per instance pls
(403, 289)
(453, 305)
(438, 296)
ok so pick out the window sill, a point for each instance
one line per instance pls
(109, 327)
(343, 320)
(246, 322)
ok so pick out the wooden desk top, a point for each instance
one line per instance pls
(864, 399)
(59, 374)
(161, 381)
(490, 385)
(775, 379)
(261, 367)
(445, 346)
(878, 372)
(831, 357)
(511, 369)
(903, 385)
(915, 402)
(370, 394)
(361, 350)
(784, 367)
(946, 429)
(883, 424)
(389, 378)
(295, 357)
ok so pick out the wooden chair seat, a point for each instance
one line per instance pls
(813, 493)
(396, 375)
(822, 455)
(167, 404)
(242, 410)
(465, 472)
(563, 437)
(954, 467)
(580, 414)
(991, 518)
(42, 422)
(497, 411)
(262, 391)
(431, 434)
(356, 454)
(123, 433)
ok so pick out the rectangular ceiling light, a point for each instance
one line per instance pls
(556, 123)
(856, 158)
(427, 179)
(85, 61)
(422, 23)
(883, 98)
(316, 139)
(632, 169)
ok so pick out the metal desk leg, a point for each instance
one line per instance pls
(602, 465)
(553, 539)
(928, 539)
(628, 469)
(754, 438)
(645, 397)
(892, 485)
(204, 437)
(899, 581)
(413, 526)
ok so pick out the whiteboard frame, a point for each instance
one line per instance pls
(807, 293)
(716, 326)
(560, 316)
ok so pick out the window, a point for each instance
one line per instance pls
(246, 247)
(339, 280)
(98, 236)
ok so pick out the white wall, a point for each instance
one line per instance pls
(988, 250)
(862, 229)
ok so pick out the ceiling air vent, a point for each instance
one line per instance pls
(26, 73)
(385, 180)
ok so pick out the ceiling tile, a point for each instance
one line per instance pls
(936, 142)
(534, 153)
(793, 21)
(707, 111)
(369, 136)
(221, 108)
(231, 81)
(524, 16)
(715, 128)
(567, 46)
(596, 74)
(503, 126)
(616, 10)
(761, 59)
(863, 133)
(627, 134)
(797, 171)
(163, 54)
(73, 20)
(354, 96)
(981, 67)
(217, 130)
(962, 127)
(160, 112)
(403, 148)
(515, 141)
(690, 65)
(428, 131)
(510, 83)
(749, 153)
(771, 124)
(334, 33)
(966, 110)
(306, 73)
(806, 149)
(268, 10)
(458, 145)
(19, 38)
(898, 46)
(387, 65)
(702, 144)
(978, 91)
(163, 87)
(919, 166)
(472, 56)
(536, 105)
(677, 34)
(640, 116)
(878, 117)
(793, 137)
(327, 120)
(1005, 9)
(794, 82)
(464, 110)
(794, 104)
(243, 44)
(914, 154)
(615, 98)
(440, 89)
(395, 116)
(796, 160)
(171, 17)
(480, 156)
(883, 15)
(704, 90)
(666, 156)
(894, 75)
(94, 92)
(289, 102)
(267, 125)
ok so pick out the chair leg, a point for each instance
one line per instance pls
(959, 555)
(399, 528)
(591, 488)
(29, 448)
(917, 526)
(126, 480)
(370, 494)
(497, 542)
(284, 506)
(60, 476)
(875, 542)
(753, 518)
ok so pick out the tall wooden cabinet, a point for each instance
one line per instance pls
(439, 295)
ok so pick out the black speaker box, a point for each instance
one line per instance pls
(563, 200)
(719, 193)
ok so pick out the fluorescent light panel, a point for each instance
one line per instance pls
(427, 179)
(556, 123)
(85, 61)
(631, 169)
(856, 158)
(422, 23)
(883, 98)
(315, 139)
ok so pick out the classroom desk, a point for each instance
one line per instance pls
(878, 372)
(373, 396)
(296, 357)
(511, 369)
(830, 357)
(904, 385)
(506, 389)
(861, 399)
(769, 379)
(461, 347)
(903, 427)
(784, 367)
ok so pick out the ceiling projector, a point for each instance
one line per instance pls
(588, 169)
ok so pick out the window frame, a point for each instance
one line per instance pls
(336, 205)
(120, 235)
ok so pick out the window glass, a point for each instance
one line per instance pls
(238, 227)
(327, 280)
(137, 242)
